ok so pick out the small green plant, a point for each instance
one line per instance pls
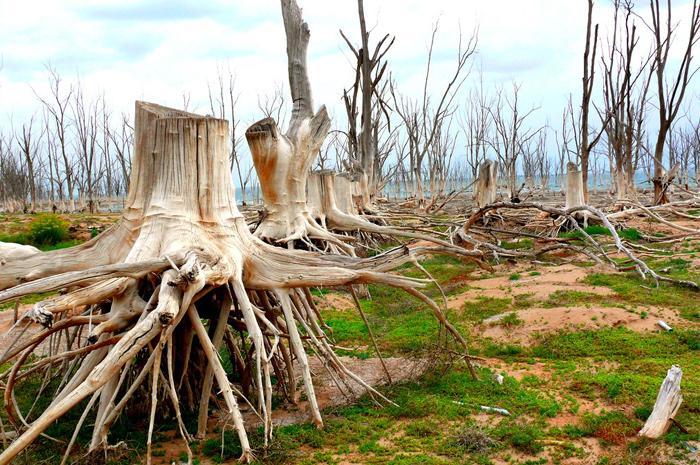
(514, 277)
(518, 245)
(48, 229)
(611, 427)
(630, 234)
(511, 320)
(592, 230)
(524, 438)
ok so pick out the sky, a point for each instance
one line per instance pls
(158, 50)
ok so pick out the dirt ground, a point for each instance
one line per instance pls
(533, 321)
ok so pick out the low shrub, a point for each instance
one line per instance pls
(48, 229)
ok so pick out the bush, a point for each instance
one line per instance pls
(48, 230)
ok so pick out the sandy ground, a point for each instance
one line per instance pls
(551, 279)
(536, 321)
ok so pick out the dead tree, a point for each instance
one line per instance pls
(86, 121)
(369, 85)
(282, 161)
(543, 163)
(486, 184)
(58, 107)
(510, 135)
(28, 143)
(424, 122)
(670, 90)
(589, 60)
(564, 141)
(625, 89)
(223, 102)
(475, 123)
(122, 140)
(14, 187)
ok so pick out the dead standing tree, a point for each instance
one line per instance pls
(475, 123)
(28, 143)
(625, 88)
(424, 122)
(670, 90)
(510, 135)
(587, 144)
(282, 161)
(223, 102)
(58, 107)
(363, 145)
(86, 121)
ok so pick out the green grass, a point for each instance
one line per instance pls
(564, 298)
(632, 289)
(27, 299)
(630, 234)
(484, 307)
(521, 244)
(510, 320)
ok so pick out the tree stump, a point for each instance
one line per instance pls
(574, 186)
(181, 252)
(486, 184)
(668, 401)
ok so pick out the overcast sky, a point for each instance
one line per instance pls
(157, 50)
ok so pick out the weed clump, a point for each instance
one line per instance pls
(472, 440)
(48, 229)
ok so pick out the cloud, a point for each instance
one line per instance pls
(152, 10)
(158, 49)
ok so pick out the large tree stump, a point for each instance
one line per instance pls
(282, 161)
(181, 252)
(343, 193)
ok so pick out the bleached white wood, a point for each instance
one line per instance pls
(667, 404)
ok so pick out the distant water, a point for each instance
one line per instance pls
(603, 181)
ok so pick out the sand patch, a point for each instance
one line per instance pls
(334, 301)
(551, 279)
(551, 320)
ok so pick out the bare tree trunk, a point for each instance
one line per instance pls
(589, 56)
(486, 184)
(670, 94)
(282, 161)
(28, 146)
(574, 186)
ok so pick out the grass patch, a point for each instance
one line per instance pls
(564, 298)
(521, 244)
(632, 289)
(484, 307)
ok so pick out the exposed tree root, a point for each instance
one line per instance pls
(135, 315)
(598, 253)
